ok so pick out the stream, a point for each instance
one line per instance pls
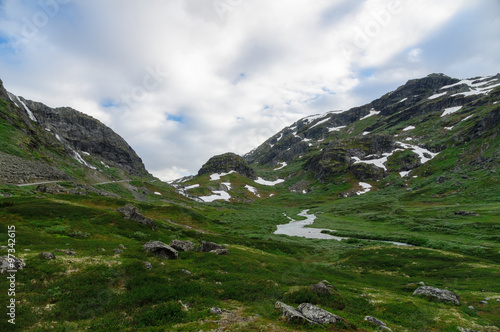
(298, 228)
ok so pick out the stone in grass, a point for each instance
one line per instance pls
(69, 252)
(318, 315)
(440, 294)
(220, 252)
(291, 314)
(321, 288)
(161, 249)
(207, 246)
(130, 212)
(182, 245)
(118, 251)
(215, 311)
(377, 322)
(11, 263)
(148, 265)
(47, 255)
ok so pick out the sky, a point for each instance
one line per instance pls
(184, 80)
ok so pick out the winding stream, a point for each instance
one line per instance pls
(297, 228)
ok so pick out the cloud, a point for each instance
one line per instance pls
(233, 72)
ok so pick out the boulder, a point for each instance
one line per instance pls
(377, 322)
(318, 315)
(47, 255)
(290, 313)
(440, 294)
(148, 265)
(121, 246)
(308, 313)
(130, 212)
(182, 245)
(11, 263)
(161, 249)
(207, 246)
(221, 252)
(320, 288)
(215, 311)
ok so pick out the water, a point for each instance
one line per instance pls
(297, 228)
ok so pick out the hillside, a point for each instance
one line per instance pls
(384, 216)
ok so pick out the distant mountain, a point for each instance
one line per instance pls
(39, 143)
(429, 127)
(398, 132)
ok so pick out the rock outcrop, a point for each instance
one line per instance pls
(308, 313)
(437, 293)
(130, 212)
(182, 245)
(207, 246)
(161, 249)
(226, 163)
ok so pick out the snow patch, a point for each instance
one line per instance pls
(157, 193)
(451, 110)
(402, 100)
(320, 122)
(252, 190)
(372, 113)
(336, 128)
(366, 188)
(283, 165)
(217, 176)
(366, 133)
(227, 184)
(192, 186)
(409, 128)
(403, 174)
(269, 183)
(79, 158)
(30, 114)
(217, 195)
(448, 128)
(437, 95)
(467, 118)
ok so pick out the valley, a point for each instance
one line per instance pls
(352, 212)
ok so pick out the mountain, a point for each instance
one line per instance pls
(385, 216)
(397, 133)
(42, 143)
(416, 130)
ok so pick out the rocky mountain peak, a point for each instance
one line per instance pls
(226, 163)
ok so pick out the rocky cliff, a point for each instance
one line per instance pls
(226, 163)
(44, 143)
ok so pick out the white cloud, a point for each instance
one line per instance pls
(230, 78)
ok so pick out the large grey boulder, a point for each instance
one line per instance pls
(12, 263)
(308, 313)
(130, 212)
(321, 288)
(440, 294)
(318, 315)
(207, 246)
(161, 249)
(182, 245)
(290, 313)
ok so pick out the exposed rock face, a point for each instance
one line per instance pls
(14, 264)
(207, 246)
(225, 163)
(84, 133)
(440, 294)
(308, 313)
(47, 255)
(161, 249)
(18, 170)
(182, 245)
(130, 212)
